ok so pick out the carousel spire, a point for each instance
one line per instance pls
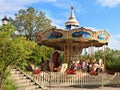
(72, 16)
(72, 22)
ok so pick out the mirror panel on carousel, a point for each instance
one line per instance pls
(102, 36)
(54, 34)
(81, 34)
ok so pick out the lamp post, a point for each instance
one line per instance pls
(5, 20)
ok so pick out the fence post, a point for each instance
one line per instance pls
(102, 82)
(81, 74)
(119, 77)
(49, 80)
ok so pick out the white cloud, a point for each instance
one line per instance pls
(94, 28)
(109, 3)
(117, 36)
(10, 7)
(58, 23)
(14, 5)
(114, 42)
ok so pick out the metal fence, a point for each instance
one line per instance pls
(63, 79)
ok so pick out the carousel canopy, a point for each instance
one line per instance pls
(81, 37)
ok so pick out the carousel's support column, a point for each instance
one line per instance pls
(85, 51)
(63, 54)
(90, 51)
(67, 53)
(104, 57)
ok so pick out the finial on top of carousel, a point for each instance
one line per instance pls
(72, 7)
(72, 22)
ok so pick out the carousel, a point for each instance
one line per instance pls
(72, 40)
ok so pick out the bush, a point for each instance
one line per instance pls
(9, 85)
(113, 65)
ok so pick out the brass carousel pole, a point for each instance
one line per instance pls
(68, 53)
(85, 52)
(63, 52)
(104, 54)
(91, 52)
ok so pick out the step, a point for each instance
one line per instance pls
(23, 81)
(19, 78)
(32, 87)
(25, 84)
(17, 75)
(13, 72)
(38, 89)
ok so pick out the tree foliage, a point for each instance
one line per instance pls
(111, 58)
(39, 53)
(29, 21)
(13, 51)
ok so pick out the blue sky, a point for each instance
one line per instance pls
(94, 14)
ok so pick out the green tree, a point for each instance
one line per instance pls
(7, 28)
(99, 54)
(111, 58)
(13, 51)
(30, 21)
(39, 53)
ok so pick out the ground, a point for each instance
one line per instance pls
(86, 88)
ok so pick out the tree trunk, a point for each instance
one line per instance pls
(1, 83)
(2, 79)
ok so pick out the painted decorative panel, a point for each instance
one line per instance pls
(81, 34)
(54, 34)
(102, 36)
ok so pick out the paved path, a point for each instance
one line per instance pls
(88, 88)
